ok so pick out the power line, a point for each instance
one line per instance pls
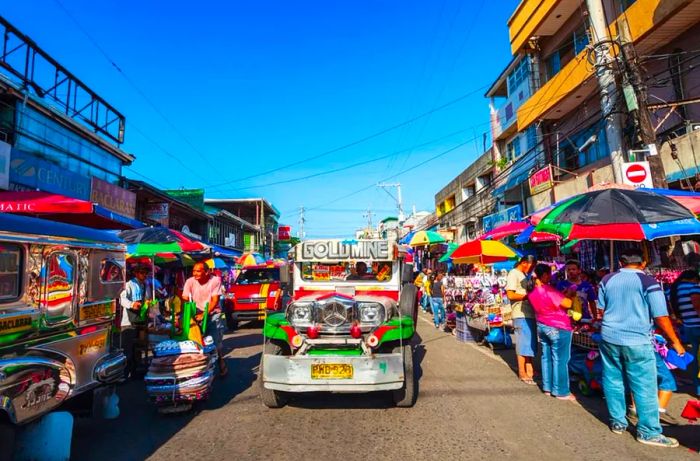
(356, 142)
(133, 84)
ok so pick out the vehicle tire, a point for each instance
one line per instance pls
(231, 323)
(407, 395)
(7, 440)
(270, 397)
(407, 302)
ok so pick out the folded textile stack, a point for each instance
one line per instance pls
(180, 372)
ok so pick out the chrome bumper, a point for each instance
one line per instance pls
(370, 373)
(111, 368)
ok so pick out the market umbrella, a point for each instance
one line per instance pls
(531, 235)
(250, 259)
(619, 214)
(217, 263)
(505, 230)
(407, 238)
(451, 247)
(422, 238)
(483, 252)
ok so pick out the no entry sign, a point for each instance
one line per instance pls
(637, 174)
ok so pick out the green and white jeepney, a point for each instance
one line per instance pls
(349, 325)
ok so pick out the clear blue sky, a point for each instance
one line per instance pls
(247, 87)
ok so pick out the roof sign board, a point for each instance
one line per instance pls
(339, 250)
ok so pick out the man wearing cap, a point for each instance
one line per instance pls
(205, 289)
(131, 299)
(632, 302)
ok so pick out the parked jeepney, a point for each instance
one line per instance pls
(349, 326)
(59, 286)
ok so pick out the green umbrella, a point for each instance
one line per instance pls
(451, 247)
(136, 250)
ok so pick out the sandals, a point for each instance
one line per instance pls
(528, 381)
(569, 398)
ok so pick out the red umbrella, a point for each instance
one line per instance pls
(505, 230)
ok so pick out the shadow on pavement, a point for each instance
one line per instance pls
(140, 430)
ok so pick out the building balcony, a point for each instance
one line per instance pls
(649, 24)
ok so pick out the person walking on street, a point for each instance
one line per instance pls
(554, 333)
(632, 301)
(436, 300)
(205, 289)
(685, 302)
(427, 283)
(523, 319)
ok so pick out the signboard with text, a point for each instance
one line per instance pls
(158, 212)
(513, 213)
(541, 180)
(113, 197)
(284, 233)
(339, 250)
(38, 174)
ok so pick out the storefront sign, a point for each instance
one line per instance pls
(113, 198)
(158, 212)
(542, 180)
(5, 151)
(284, 233)
(38, 174)
(514, 213)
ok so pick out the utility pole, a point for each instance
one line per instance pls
(302, 220)
(398, 199)
(368, 214)
(636, 97)
(604, 65)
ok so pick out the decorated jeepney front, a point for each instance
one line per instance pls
(344, 330)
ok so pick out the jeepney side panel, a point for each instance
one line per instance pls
(60, 333)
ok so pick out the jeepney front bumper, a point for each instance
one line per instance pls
(379, 372)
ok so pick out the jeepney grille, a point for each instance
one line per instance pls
(334, 314)
(252, 300)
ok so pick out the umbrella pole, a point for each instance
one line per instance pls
(612, 256)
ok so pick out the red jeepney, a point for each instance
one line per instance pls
(255, 292)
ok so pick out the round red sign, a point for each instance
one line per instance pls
(636, 173)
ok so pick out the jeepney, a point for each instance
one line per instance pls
(59, 286)
(349, 325)
(255, 293)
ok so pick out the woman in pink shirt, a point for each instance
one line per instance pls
(554, 333)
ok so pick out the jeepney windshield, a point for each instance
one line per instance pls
(373, 271)
(250, 276)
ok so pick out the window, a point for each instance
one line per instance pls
(468, 191)
(378, 271)
(531, 134)
(10, 272)
(253, 276)
(580, 39)
(513, 149)
(58, 276)
(568, 49)
(111, 271)
(569, 156)
(518, 75)
(485, 180)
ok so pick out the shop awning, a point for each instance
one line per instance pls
(60, 208)
(226, 252)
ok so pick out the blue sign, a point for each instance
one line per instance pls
(35, 173)
(513, 213)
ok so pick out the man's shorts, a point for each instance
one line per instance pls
(664, 376)
(525, 337)
(216, 328)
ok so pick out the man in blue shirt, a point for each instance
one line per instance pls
(632, 301)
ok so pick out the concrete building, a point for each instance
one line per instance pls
(260, 214)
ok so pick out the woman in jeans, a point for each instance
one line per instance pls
(554, 334)
(436, 301)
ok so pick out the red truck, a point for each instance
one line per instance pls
(255, 292)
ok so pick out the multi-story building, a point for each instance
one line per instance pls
(258, 212)
(550, 136)
(464, 202)
(57, 135)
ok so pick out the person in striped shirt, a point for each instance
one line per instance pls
(632, 302)
(685, 302)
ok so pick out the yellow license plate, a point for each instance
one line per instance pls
(331, 371)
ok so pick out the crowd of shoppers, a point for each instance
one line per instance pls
(629, 305)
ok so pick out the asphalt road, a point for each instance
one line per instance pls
(471, 406)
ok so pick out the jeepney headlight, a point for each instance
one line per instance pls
(300, 313)
(371, 313)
